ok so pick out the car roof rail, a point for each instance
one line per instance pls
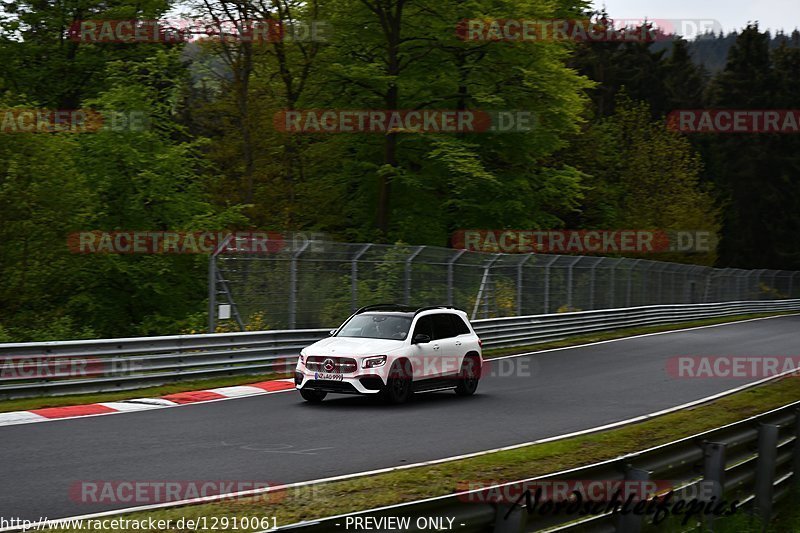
(435, 307)
(403, 308)
(387, 307)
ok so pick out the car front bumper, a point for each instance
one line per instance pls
(355, 383)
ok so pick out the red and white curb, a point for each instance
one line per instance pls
(144, 404)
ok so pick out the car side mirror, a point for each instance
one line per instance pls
(421, 338)
(332, 332)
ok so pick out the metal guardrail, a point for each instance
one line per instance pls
(74, 367)
(755, 461)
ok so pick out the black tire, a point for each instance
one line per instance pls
(313, 396)
(468, 376)
(398, 387)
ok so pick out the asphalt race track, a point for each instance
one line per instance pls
(281, 439)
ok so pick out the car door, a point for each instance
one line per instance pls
(446, 348)
(423, 356)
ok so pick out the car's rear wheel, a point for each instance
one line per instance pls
(469, 376)
(398, 385)
(313, 396)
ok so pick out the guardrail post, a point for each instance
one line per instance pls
(765, 470)
(632, 523)
(510, 519)
(713, 475)
(796, 462)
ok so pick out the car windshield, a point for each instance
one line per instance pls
(377, 326)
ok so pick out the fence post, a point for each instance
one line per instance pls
(293, 286)
(612, 285)
(632, 523)
(570, 279)
(593, 282)
(407, 275)
(630, 280)
(520, 308)
(791, 284)
(713, 473)
(765, 470)
(354, 277)
(546, 291)
(450, 268)
(212, 294)
(212, 284)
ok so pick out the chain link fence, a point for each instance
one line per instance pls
(318, 283)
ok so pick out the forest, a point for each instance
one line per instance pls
(207, 156)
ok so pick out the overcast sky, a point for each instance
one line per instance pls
(731, 14)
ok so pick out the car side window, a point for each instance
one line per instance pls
(443, 327)
(459, 326)
(424, 326)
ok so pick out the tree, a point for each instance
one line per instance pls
(642, 176)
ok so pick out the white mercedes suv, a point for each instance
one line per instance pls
(393, 351)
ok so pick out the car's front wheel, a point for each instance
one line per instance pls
(398, 384)
(469, 376)
(313, 396)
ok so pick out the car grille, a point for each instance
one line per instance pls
(341, 365)
(331, 386)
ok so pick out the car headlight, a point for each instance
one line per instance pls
(374, 362)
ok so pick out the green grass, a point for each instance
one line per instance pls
(412, 484)
(24, 404)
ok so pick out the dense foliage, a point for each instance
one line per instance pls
(210, 158)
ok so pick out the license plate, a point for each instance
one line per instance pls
(328, 377)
